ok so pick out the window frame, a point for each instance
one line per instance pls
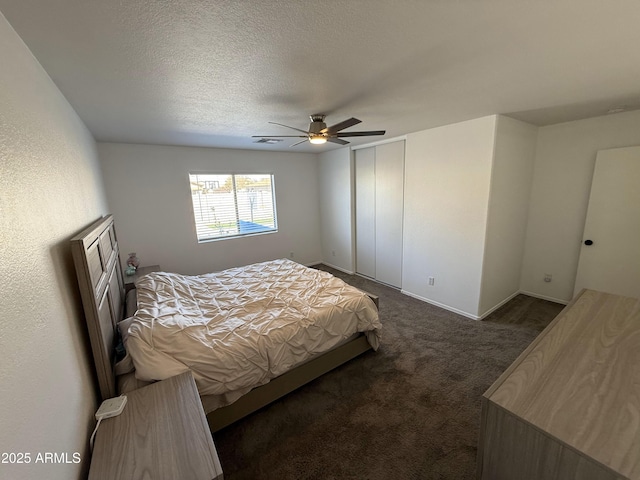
(233, 174)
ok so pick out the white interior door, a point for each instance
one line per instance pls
(365, 175)
(611, 263)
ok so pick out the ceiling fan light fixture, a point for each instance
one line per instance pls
(317, 139)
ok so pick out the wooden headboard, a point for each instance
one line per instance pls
(97, 260)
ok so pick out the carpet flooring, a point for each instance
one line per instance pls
(411, 410)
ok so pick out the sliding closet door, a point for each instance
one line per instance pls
(365, 212)
(389, 173)
(379, 209)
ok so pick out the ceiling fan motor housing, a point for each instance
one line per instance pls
(317, 124)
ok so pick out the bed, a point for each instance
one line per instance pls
(234, 303)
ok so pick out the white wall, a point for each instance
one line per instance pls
(539, 189)
(50, 189)
(336, 208)
(565, 159)
(448, 172)
(511, 177)
(149, 195)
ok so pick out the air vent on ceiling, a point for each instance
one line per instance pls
(268, 140)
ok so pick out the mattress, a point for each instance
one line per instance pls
(240, 328)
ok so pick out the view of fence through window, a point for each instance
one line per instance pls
(232, 205)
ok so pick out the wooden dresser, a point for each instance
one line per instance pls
(569, 407)
(161, 434)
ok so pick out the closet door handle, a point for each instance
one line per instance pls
(588, 242)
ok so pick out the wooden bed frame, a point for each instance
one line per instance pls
(97, 260)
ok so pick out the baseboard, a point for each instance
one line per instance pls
(494, 308)
(343, 270)
(544, 297)
(488, 312)
(442, 305)
(455, 310)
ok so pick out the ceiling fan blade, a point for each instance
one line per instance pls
(298, 143)
(294, 128)
(280, 136)
(361, 134)
(337, 140)
(341, 126)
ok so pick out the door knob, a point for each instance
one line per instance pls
(588, 242)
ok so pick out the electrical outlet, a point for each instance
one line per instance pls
(432, 281)
(290, 254)
(547, 277)
(111, 407)
(333, 253)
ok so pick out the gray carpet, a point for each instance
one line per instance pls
(410, 410)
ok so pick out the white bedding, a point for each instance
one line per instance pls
(239, 328)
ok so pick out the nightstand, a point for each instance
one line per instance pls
(130, 280)
(161, 434)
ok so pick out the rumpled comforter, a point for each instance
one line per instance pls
(239, 328)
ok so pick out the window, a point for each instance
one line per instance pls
(232, 205)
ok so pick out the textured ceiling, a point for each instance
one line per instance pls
(213, 73)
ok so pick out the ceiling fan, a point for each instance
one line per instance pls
(319, 133)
